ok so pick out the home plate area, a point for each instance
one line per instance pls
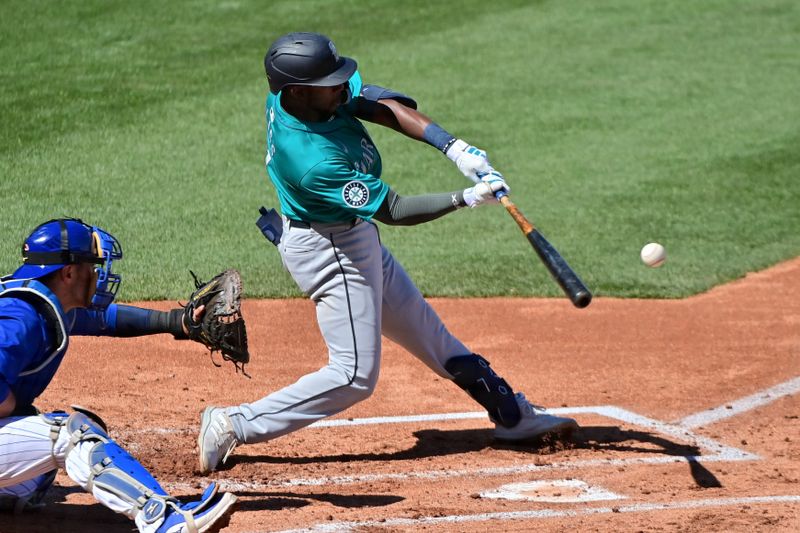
(620, 462)
(552, 491)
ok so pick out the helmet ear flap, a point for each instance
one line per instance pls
(97, 245)
(108, 250)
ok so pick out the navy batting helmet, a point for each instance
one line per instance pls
(306, 59)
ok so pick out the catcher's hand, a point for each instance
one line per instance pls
(220, 325)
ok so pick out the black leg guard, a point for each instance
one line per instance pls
(473, 374)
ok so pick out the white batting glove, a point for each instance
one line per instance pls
(485, 191)
(471, 161)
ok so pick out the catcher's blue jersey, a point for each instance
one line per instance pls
(324, 171)
(34, 337)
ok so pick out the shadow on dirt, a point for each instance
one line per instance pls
(430, 443)
(275, 501)
(615, 439)
(434, 442)
(63, 517)
(74, 518)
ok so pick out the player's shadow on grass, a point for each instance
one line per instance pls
(434, 443)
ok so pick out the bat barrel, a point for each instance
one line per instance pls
(568, 280)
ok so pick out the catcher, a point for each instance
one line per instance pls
(66, 287)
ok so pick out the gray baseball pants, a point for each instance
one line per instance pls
(360, 292)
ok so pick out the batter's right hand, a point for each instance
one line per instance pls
(485, 191)
(471, 161)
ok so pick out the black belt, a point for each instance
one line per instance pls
(299, 223)
(307, 225)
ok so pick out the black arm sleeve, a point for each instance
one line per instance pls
(397, 210)
(135, 321)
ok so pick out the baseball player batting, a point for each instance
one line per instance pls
(66, 287)
(327, 174)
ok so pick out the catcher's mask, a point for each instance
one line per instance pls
(69, 241)
(306, 59)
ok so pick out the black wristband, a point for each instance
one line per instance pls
(448, 145)
(176, 324)
(438, 137)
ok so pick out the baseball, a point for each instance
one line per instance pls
(653, 254)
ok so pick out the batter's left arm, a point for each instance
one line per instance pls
(399, 210)
(471, 161)
(397, 116)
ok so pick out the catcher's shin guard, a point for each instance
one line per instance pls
(473, 374)
(112, 469)
(117, 480)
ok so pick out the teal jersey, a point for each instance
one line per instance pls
(324, 171)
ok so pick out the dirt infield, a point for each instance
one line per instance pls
(689, 410)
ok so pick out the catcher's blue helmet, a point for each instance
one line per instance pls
(68, 241)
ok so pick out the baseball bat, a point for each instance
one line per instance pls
(567, 279)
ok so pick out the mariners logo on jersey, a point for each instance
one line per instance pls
(355, 194)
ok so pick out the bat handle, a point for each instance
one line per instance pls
(523, 223)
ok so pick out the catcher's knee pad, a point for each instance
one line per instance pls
(56, 420)
(113, 470)
(473, 374)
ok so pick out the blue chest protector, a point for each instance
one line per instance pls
(40, 338)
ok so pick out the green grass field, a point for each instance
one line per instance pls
(616, 123)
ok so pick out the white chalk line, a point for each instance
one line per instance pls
(547, 513)
(742, 405)
(433, 475)
(692, 421)
(679, 431)
(343, 422)
(719, 453)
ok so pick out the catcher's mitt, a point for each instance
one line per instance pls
(221, 326)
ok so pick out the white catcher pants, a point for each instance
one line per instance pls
(360, 292)
(27, 452)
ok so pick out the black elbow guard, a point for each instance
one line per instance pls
(373, 93)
